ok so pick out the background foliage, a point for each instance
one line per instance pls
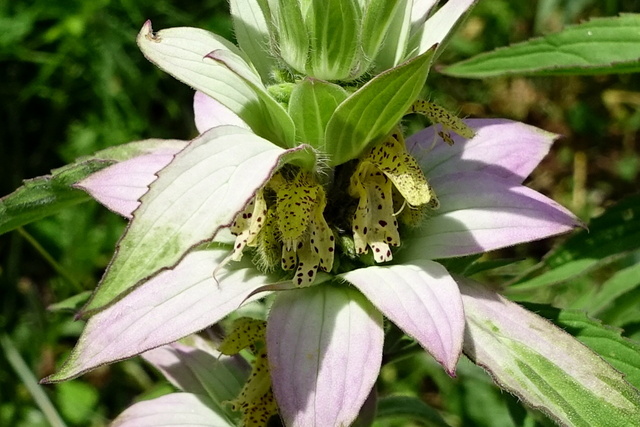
(74, 82)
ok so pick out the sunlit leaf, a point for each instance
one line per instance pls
(311, 105)
(375, 109)
(599, 46)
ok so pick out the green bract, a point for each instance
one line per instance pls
(330, 39)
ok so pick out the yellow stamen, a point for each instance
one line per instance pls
(448, 120)
(256, 401)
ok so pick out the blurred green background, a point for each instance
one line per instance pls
(72, 81)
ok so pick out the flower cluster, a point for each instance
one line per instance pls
(315, 179)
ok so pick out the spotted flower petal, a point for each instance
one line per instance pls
(481, 212)
(422, 299)
(172, 305)
(209, 113)
(508, 149)
(324, 345)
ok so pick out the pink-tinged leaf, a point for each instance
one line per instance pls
(175, 409)
(198, 193)
(324, 345)
(422, 299)
(120, 186)
(508, 149)
(209, 113)
(481, 212)
(199, 369)
(439, 26)
(170, 306)
(542, 364)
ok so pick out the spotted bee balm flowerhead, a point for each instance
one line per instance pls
(303, 187)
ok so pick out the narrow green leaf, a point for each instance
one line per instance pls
(623, 312)
(612, 235)
(29, 381)
(71, 304)
(478, 267)
(311, 105)
(599, 46)
(333, 27)
(46, 195)
(619, 284)
(409, 407)
(370, 113)
(622, 353)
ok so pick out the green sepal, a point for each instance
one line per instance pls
(311, 105)
(370, 113)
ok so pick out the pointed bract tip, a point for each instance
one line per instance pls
(147, 31)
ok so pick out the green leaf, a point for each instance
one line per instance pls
(181, 52)
(311, 105)
(46, 195)
(622, 353)
(334, 38)
(409, 407)
(619, 284)
(599, 46)
(610, 236)
(198, 193)
(478, 267)
(72, 303)
(77, 401)
(545, 366)
(370, 113)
